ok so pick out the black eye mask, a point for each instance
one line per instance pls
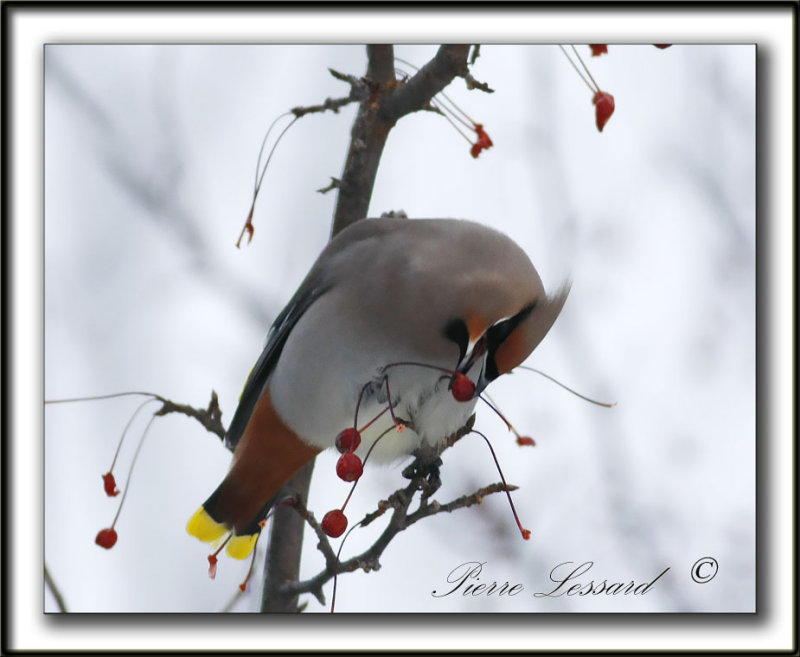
(497, 334)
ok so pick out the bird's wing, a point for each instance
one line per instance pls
(305, 296)
(318, 281)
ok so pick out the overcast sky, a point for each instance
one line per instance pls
(150, 157)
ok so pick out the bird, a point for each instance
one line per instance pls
(390, 309)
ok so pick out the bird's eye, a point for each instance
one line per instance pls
(456, 330)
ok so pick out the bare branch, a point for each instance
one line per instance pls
(367, 140)
(332, 104)
(401, 519)
(380, 63)
(472, 83)
(324, 544)
(462, 502)
(352, 80)
(450, 61)
(210, 418)
(334, 184)
(476, 52)
(48, 580)
(285, 546)
(359, 90)
(389, 100)
(423, 473)
(383, 100)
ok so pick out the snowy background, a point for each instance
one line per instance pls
(150, 156)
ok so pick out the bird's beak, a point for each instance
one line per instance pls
(473, 356)
(481, 383)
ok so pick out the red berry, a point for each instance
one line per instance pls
(604, 108)
(662, 45)
(598, 49)
(462, 388)
(334, 523)
(483, 142)
(109, 485)
(349, 467)
(106, 538)
(348, 440)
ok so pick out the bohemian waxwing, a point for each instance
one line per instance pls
(448, 294)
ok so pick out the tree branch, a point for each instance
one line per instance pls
(355, 190)
(450, 61)
(401, 519)
(285, 547)
(48, 580)
(210, 418)
(358, 91)
(382, 101)
(423, 473)
(367, 140)
(389, 101)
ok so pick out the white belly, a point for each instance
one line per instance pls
(315, 389)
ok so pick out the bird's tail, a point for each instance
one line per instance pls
(210, 523)
(267, 456)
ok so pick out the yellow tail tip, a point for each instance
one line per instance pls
(203, 526)
(240, 547)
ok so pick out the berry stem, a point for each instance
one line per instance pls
(125, 431)
(222, 545)
(485, 398)
(358, 404)
(389, 406)
(567, 388)
(130, 470)
(364, 463)
(526, 534)
(577, 70)
(248, 226)
(100, 397)
(339, 561)
(257, 182)
(243, 585)
(373, 420)
(269, 157)
(585, 68)
(447, 116)
(441, 93)
(389, 402)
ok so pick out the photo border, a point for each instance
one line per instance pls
(25, 29)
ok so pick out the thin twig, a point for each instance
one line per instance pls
(462, 502)
(324, 544)
(476, 52)
(472, 83)
(330, 104)
(399, 502)
(48, 580)
(352, 80)
(210, 418)
(400, 520)
(334, 184)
